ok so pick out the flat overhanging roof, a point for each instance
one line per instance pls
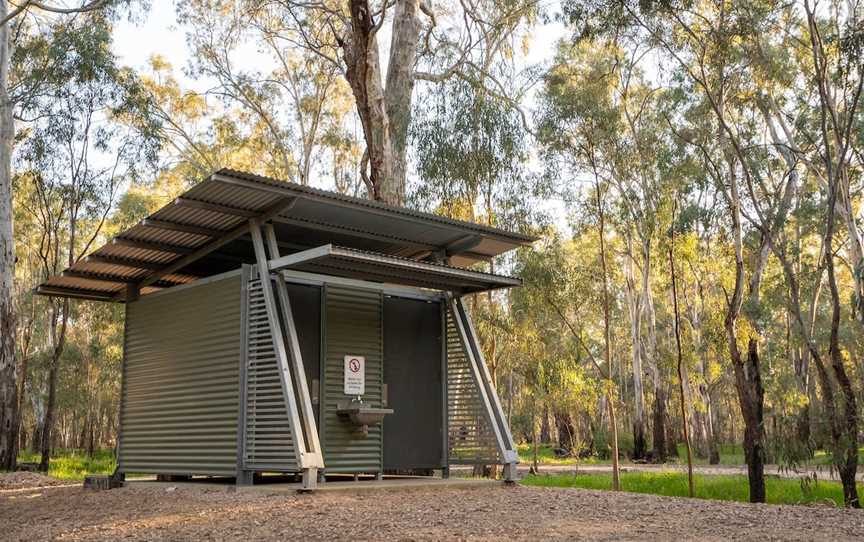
(204, 232)
(357, 264)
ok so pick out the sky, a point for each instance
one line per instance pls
(158, 33)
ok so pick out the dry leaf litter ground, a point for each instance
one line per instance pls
(495, 512)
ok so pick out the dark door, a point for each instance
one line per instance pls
(306, 308)
(413, 373)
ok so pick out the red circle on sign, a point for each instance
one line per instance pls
(354, 364)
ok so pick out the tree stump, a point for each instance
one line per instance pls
(101, 482)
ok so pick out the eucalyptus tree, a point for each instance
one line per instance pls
(17, 86)
(839, 77)
(561, 283)
(644, 176)
(598, 108)
(575, 127)
(823, 141)
(471, 154)
(431, 42)
(706, 45)
(77, 154)
(293, 103)
(779, 116)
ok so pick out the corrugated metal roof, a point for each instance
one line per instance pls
(203, 232)
(377, 205)
(358, 264)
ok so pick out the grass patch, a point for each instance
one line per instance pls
(824, 457)
(730, 455)
(546, 456)
(74, 464)
(723, 488)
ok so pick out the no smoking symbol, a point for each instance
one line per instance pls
(354, 365)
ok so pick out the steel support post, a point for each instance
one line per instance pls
(243, 476)
(308, 459)
(312, 455)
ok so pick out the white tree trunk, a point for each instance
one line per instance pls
(400, 88)
(385, 113)
(855, 246)
(636, 349)
(649, 354)
(8, 373)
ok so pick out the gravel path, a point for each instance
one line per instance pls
(477, 513)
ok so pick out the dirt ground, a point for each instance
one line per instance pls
(493, 512)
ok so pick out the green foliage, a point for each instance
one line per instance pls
(724, 488)
(74, 465)
(470, 155)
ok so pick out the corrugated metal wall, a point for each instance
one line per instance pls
(352, 326)
(179, 404)
(471, 438)
(269, 444)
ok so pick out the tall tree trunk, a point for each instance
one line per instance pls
(639, 444)
(363, 72)
(566, 432)
(837, 133)
(36, 441)
(681, 373)
(8, 365)
(658, 422)
(545, 430)
(748, 379)
(58, 335)
(846, 432)
(22, 385)
(649, 352)
(607, 340)
(385, 112)
(399, 90)
(751, 399)
(535, 468)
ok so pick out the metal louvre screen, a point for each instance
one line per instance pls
(181, 381)
(269, 443)
(471, 439)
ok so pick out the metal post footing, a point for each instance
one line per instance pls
(310, 480)
(510, 474)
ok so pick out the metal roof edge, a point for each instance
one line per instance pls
(329, 195)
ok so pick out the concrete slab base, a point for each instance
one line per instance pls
(396, 483)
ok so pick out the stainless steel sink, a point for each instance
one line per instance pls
(363, 415)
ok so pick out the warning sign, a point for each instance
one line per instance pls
(355, 375)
